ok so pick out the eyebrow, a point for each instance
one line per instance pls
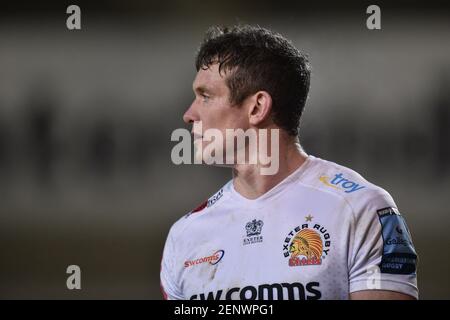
(202, 89)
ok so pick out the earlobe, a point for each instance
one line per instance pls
(254, 113)
(260, 105)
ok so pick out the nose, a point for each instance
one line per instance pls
(190, 115)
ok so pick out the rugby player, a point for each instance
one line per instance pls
(314, 229)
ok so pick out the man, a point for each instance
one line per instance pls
(312, 230)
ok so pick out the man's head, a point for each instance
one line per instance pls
(249, 77)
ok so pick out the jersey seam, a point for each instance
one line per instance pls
(330, 193)
(353, 212)
(201, 214)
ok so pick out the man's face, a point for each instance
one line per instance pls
(213, 108)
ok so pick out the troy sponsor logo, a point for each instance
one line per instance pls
(212, 259)
(274, 291)
(339, 182)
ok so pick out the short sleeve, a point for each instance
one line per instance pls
(169, 286)
(382, 254)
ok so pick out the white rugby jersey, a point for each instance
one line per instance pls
(321, 233)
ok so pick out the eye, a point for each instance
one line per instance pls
(205, 97)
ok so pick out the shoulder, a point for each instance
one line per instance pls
(346, 184)
(206, 207)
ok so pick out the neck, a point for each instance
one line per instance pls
(250, 183)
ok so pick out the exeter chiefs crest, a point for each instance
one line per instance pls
(253, 229)
(307, 244)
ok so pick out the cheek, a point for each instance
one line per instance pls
(222, 116)
(235, 119)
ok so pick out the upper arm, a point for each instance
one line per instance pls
(383, 258)
(168, 274)
(379, 295)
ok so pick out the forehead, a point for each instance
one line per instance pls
(210, 79)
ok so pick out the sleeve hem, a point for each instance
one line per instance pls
(388, 285)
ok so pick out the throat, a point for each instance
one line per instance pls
(250, 184)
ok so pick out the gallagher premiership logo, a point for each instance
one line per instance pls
(307, 244)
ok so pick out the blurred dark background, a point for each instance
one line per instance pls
(86, 117)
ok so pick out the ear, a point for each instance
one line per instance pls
(261, 105)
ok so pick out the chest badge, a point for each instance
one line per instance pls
(253, 230)
(307, 244)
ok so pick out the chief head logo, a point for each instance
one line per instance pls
(307, 244)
